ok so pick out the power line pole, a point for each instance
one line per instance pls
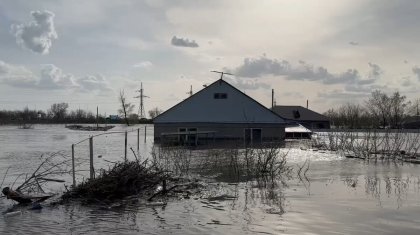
(221, 73)
(190, 92)
(141, 96)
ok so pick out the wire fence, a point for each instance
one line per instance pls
(115, 145)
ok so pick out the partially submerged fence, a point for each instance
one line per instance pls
(139, 132)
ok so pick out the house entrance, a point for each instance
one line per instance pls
(253, 136)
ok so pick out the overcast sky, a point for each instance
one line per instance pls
(85, 52)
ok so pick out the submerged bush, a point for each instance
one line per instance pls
(123, 179)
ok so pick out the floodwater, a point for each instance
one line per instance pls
(337, 196)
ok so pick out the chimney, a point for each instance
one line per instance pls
(307, 104)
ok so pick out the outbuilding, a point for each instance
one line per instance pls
(303, 116)
(218, 113)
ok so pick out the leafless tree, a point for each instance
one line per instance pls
(378, 105)
(414, 108)
(154, 112)
(126, 107)
(58, 111)
(398, 108)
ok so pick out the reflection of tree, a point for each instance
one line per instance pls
(393, 187)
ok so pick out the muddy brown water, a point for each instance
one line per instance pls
(339, 196)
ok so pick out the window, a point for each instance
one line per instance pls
(296, 114)
(220, 95)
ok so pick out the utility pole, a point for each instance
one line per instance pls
(141, 96)
(97, 117)
(272, 98)
(221, 73)
(190, 92)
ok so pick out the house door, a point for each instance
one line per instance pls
(252, 136)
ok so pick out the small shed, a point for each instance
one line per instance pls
(218, 113)
(303, 116)
(297, 131)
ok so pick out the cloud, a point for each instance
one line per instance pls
(416, 71)
(16, 76)
(50, 78)
(181, 42)
(376, 71)
(53, 77)
(143, 64)
(38, 34)
(354, 43)
(93, 82)
(262, 66)
(246, 84)
(406, 81)
(302, 71)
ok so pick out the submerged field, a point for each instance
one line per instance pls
(338, 195)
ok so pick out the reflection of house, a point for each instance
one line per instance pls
(303, 116)
(218, 112)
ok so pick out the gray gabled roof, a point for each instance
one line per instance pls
(298, 113)
(202, 107)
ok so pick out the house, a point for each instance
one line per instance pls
(300, 115)
(218, 113)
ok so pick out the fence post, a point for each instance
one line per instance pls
(72, 163)
(125, 147)
(145, 128)
(92, 170)
(138, 140)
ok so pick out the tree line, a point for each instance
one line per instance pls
(380, 110)
(60, 113)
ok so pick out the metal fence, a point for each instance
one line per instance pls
(138, 132)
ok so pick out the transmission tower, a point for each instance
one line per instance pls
(141, 96)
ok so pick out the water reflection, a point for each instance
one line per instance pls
(378, 186)
(335, 196)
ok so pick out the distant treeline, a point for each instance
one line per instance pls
(59, 113)
(380, 110)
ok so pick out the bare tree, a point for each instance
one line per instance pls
(398, 108)
(154, 112)
(126, 107)
(58, 111)
(378, 105)
(414, 108)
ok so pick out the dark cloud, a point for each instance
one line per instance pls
(181, 42)
(354, 43)
(38, 34)
(262, 66)
(303, 71)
